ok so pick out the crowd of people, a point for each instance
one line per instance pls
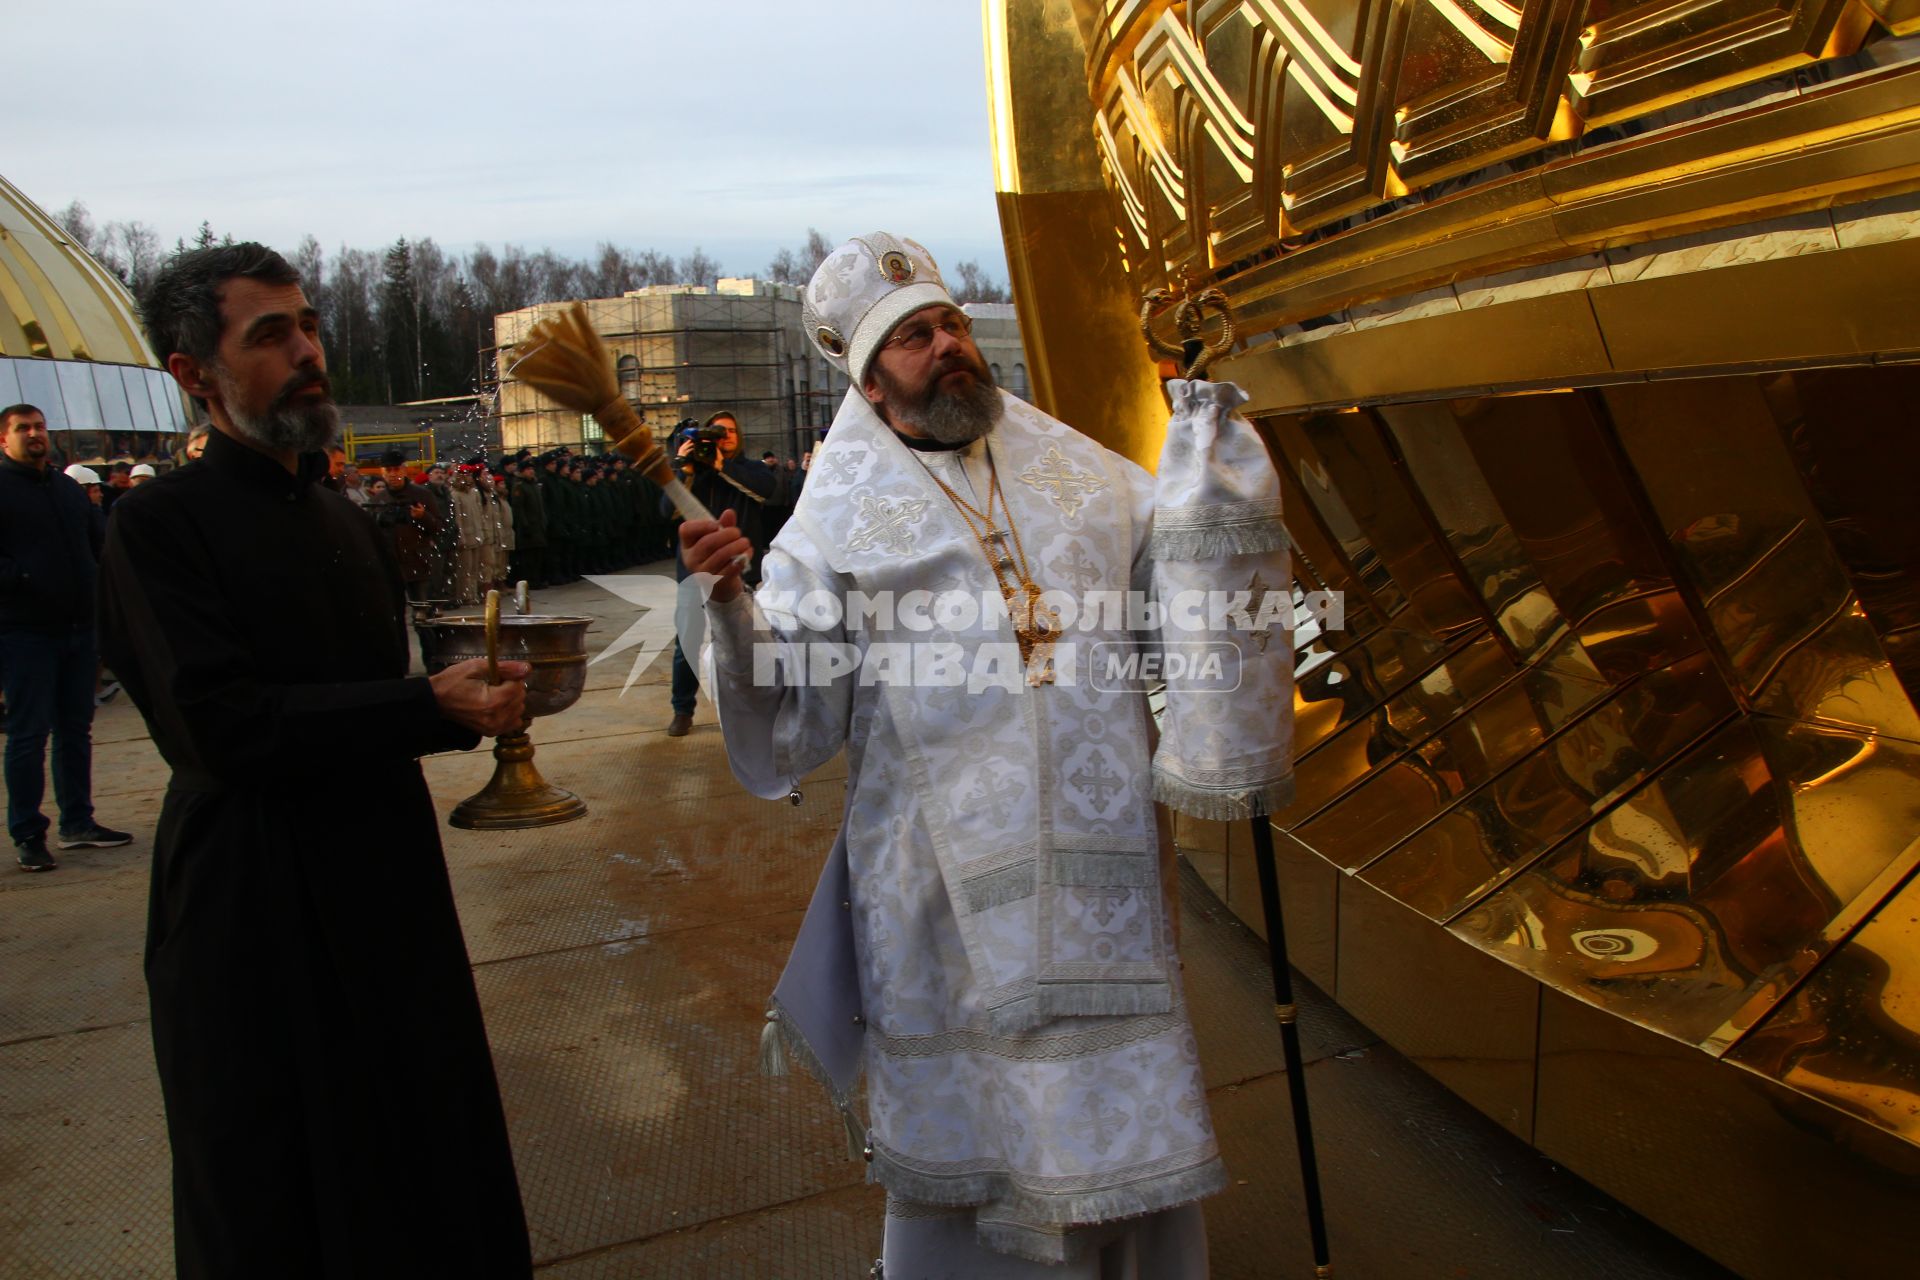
(550, 518)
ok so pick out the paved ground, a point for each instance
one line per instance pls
(622, 961)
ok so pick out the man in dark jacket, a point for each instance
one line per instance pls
(557, 492)
(330, 1096)
(50, 537)
(728, 483)
(411, 523)
(529, 524)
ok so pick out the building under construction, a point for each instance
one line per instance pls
(685, 351)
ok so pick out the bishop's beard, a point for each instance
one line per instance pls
(951, 417)
(287, 423)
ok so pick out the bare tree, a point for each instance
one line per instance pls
(78, 224)
(653, 267)
(796, 266)
(613, 273)
(975, 285)
(698, 268)
(818, 247)
(310, 262)
(131, 250)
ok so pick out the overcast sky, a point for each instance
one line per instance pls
(729, 124)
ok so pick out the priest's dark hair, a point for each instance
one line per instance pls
(181, 308)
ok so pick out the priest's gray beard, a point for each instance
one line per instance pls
(302, 426)
(958, 417)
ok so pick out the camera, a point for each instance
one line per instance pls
(706, 441)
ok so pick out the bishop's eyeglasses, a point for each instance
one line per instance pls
(920, 336)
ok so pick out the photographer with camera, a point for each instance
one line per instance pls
(708, 459)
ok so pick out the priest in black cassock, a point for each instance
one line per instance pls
(330, 1094)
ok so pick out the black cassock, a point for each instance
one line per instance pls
(330, 1093)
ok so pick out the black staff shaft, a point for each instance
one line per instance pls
(1287, 1012)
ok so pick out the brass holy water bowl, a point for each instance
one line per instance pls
(556, 647)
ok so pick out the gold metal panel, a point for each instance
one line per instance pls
(1466, 1020)
(1772, 1185)
(1337, 690)
(1222, 123)
(1640, 57)
(1848, 434)
(1349, 451)
(1227, 128)
(1331, 762)
(1461, 756)
(1902, 17)
(1488, 836)
(1695, 904)
(1427, 439)
(1573, 508)
(1069, 280)
(1548, 341)
(1754, 549)
(1331, 542)
(1850, 1035)
(1816, 306)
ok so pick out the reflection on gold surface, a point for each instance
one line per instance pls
(1327, 548)
(1428, 438)
(1309, 495)
(1699, 900)
(1339, 688)
(1368, 729)
(1503, 826)
(1461, 755)
(1851, 442)
(1756, 552)
(1337, 467)
(1850, 1035)
(1571, 504)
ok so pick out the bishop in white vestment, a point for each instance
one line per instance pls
(990, 942)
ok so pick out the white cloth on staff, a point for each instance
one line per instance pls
(1226, 742)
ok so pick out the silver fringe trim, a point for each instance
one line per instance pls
(1013, 1208)
(1052, 1000)
(1221, 804)
(1078, 868)
(998, 888)
(1218, 529)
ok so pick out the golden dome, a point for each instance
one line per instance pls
(55, 300)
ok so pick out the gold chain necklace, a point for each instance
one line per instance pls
(1035, 624)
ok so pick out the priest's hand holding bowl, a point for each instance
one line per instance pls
(716, 547)
(490, 710)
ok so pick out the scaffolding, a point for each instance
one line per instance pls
(684, 352)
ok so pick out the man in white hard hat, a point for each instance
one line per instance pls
(87, 478)
(141, 473)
